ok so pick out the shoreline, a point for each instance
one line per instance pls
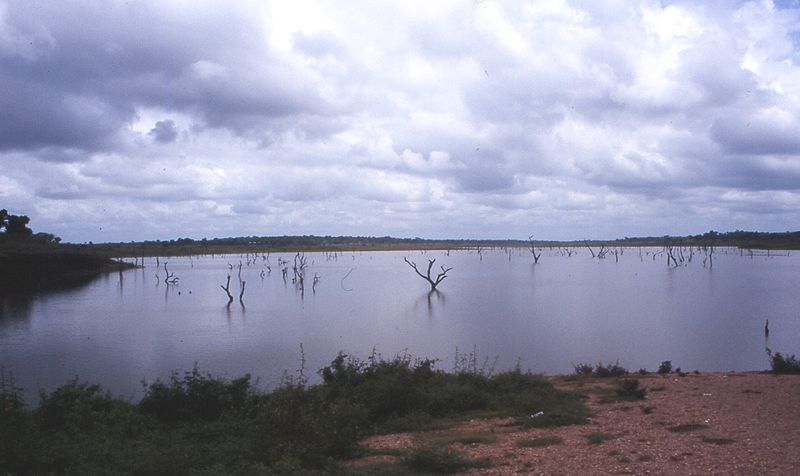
(26, 272)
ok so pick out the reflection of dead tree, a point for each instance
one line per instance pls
(532, 248)
(171, 278)
(299, 269)
(708, 248)
(433, 282)
(341, 283)
(709, 252)
(227, 289)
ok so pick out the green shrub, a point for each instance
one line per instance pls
(665, 367)
(441, 460)
(583, 369)
(597, 437)
(610, 370)
(76, 407)
(603, 371)
(629, 389)
(17, 444)
(195, 396)
(783, 365)
(199, 424)
(716, 441)
(539, 442)
(686, 427)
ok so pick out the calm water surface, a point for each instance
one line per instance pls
(562, 311)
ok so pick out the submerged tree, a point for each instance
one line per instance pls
(532, 248)
(227, 289)
(431, 280)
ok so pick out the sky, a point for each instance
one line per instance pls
(567, 120)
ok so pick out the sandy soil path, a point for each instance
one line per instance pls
(735, 423)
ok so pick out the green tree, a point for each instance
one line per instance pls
(14, 225)
(17, 225)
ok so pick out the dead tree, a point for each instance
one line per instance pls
(708, 248)
(171, 278)
(590, 249)
(432, 281)
(532, 248)
(241, 293)
(227, 289)
(299, 269)
(671, 255)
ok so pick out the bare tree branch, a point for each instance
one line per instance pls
(433, 282)
(227, 289)
(532, 247)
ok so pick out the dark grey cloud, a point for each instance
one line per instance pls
(164, 131)
(91, 65)
(758, 135)
(35, 116)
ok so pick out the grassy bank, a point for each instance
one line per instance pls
(198, 424)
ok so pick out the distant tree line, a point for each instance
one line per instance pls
(737, 239)
(292, 243)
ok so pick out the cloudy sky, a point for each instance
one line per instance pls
(443, 119)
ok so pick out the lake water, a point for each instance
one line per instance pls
(562, 311)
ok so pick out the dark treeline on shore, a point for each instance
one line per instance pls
(189, 246)
(17, 238)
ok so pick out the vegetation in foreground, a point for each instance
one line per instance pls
(783, 364)
(199, 424)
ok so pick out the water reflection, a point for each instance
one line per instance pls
(15, 307)
(433, 300)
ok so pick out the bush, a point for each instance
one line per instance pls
(199, 424)
(602, 371)
(583, 369)
(610, 370)
(76, 407)
(441, 460)
(195, 396)
(16, 427)
(665, 367)
(629, 390)
(783, 365)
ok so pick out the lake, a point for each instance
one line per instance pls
(496, 304)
